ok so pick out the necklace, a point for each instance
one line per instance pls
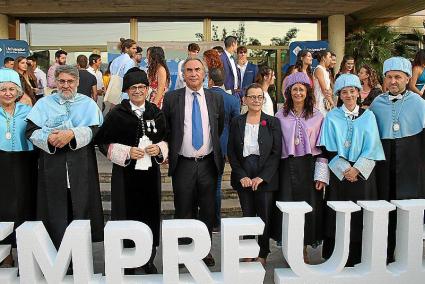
(9, 121)
(140, 126)
(348, 137)
(298, 136)
(396, 123)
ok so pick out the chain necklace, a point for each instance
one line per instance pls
(298, 136)
(10, 132)
(140, 126)
(349, 135)
(396, 123)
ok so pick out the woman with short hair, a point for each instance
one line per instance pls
(254, 150)
(132, 139)
(18, 161)
(351, 142)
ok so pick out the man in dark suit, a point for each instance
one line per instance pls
(230, 69)
(195, 118)
(232, 108)
(247, 70)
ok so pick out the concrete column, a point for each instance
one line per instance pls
(336, 37)
(134, 29)
(4, 26)
(207, 29)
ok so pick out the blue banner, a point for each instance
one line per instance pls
(311, 46)
(12, 48)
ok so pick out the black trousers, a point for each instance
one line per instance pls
(194, 186)
(257, 203)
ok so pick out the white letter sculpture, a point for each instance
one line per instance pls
(408, 268)
(190, 255)
(7, 275)
(232, 249)
(117, 257)
(38, 255)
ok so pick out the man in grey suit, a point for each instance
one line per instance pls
(195, 119)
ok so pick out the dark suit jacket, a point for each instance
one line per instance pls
(174, 107)
(229, 79)
(270, 143)
(232, 108)
(249, 75)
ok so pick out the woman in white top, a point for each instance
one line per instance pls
(254, 150)
(266, 78)
(322, 82)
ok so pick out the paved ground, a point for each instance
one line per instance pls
(275, 259)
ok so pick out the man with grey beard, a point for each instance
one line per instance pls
(62, 126)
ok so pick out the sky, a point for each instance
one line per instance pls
(100, 34)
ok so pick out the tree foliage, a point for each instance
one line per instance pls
(372, 45)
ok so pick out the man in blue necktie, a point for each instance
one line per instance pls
(195, 118)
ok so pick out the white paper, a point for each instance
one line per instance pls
(144, 163)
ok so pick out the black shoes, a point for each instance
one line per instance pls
(209, 260)
(150, 268)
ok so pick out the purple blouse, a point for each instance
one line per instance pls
(300, 136)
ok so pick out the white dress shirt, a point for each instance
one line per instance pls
(98, 76)
(235, 72)
(180, 83)
(138, 110)
(243, 69)
(41, 80)
(187, 149)
(250, 141)
(268, 104)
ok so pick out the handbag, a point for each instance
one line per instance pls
(114, 90)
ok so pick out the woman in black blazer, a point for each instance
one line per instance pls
(254, 150)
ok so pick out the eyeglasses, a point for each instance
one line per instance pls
(10, 89)
(256, 98)
(141, 88)
(63, 82)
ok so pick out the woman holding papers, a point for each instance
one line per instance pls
(351, 142)
(131, 137)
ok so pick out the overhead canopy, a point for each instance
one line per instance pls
(100, 10)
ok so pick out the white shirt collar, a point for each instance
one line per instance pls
(243, 65)
(190, 91)
(228, 54)
(139, 108)
(351, 114)
(63, 101)
(398, 97)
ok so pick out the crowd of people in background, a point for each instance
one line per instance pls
(337, 137)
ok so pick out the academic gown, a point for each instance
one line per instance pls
(297, 172)
(362, 149)
(68, 181)
(135, 194)
(18, 172)
(402, 174)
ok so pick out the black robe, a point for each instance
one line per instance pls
(347, 191)
(57, 206)
(135, 194)
(401, 176)
(18, 176)
(296, 183)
